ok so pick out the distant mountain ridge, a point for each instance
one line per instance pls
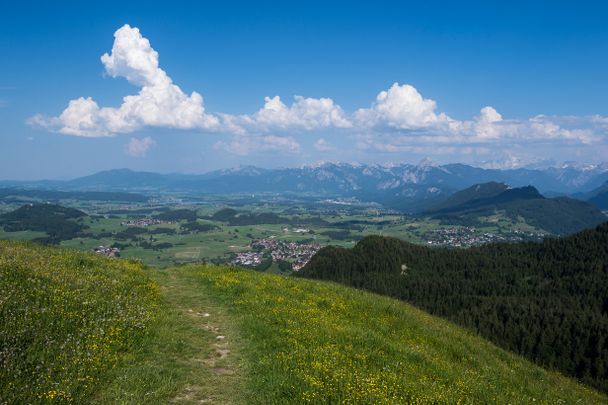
(403, 186)
(473, 193)
(599, 196)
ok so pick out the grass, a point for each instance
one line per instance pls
(181, 360)
(65, 319)
(315, 342)
(21, 235)
(79, 328)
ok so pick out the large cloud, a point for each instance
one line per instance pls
(404, 116)
(401, 106)
(159, 103)
(400, 119)
(304, 114)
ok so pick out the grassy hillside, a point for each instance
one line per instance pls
(79, 328)
(318, 342)
(65, 320)
(546, 301)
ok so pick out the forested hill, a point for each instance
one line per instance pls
(558, 216)
(547, 301)
(475, 192)
(60, 223)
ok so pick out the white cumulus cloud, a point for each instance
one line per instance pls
(401, 106)
(303, 114)
(486, 126)
(139, 147)
(159, 103)
(400, 119)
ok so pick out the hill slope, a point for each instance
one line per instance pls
(547, 301)
(475, 192)
(227, 335)
(599, 197)
(600, 200)
(66, 319)
(310, 341)
(559, 216)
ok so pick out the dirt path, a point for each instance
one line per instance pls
(209, 338)
(193, 353)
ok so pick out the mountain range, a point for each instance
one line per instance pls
(404, 186)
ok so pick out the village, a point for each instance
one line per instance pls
(145, 222)
(298, 254)
(470, 236)
(107, 251)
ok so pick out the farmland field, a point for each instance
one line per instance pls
(203, 235)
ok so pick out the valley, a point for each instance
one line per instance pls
(489, 258)
(215, 217)
(165, 233)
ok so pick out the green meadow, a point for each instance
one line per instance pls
(80, 328)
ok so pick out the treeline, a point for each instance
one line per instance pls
(60, 223)
(238, 218)
(547, 301)
(15, 193)
(233, 217)
(195, 227)
(342, 235)
(138, 211)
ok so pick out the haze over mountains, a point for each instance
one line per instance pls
(404, 186)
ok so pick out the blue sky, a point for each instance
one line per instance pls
(380, 82)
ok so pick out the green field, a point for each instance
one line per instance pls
(324, 224)
(218, 245)
(112, 331)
